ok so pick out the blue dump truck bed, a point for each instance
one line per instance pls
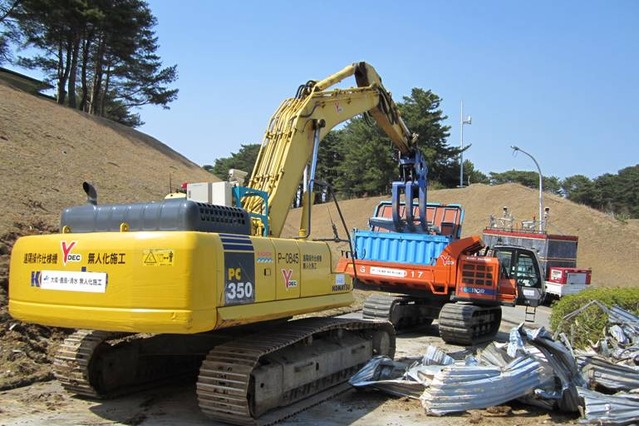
(409, 246)
(396, 247)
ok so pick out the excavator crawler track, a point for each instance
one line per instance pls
(378, 306)
(245, 381)
(102, 365)
(72, 363)
(404, 312)
(467, 324)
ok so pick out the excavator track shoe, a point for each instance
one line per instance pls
(404, 312)
(378, 306)
(267, 377)
(73, 362)
(467, 324)
(102, 365)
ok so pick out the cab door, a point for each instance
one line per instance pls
(523, 266)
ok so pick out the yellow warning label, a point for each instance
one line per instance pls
(158, 257)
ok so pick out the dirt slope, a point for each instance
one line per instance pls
(608, 246)
(47, 151)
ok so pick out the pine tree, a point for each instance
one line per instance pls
(7, 28)
(422, 113)
(108, 45)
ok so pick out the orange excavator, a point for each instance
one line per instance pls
(413, 256)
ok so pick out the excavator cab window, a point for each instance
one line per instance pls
(505, 260)
(520, 265)
(526, 272)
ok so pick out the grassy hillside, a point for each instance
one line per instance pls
(608, 246)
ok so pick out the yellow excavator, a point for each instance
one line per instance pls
(183, 286)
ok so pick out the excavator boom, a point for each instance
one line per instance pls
(289, 140)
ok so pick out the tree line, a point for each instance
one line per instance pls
(100, 55)
(616, 193)
(360, 160)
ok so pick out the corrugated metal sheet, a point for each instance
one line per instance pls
(460, 388)
(563, 364)
(541, 372)
(494, 355)
(618, 409)
(614, 377)
(379, 368)
(389, 376)
(618, 334)
(619, 315)
(402, 378)
(621, 341)
(435, 356)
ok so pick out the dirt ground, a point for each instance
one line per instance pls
(46, 402)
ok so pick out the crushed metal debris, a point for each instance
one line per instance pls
(533, 367)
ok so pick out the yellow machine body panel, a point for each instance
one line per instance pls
(169, 281)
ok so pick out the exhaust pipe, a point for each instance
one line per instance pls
(92, 194)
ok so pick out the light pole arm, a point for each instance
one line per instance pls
(541, 187)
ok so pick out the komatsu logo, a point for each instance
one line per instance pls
(67, 256)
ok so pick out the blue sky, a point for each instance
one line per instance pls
(560, 79)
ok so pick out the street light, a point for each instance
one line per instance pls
(541, 190)
(462, 121)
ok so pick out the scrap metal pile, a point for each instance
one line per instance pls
(535, 368)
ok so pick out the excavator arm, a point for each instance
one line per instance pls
(294, 131)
